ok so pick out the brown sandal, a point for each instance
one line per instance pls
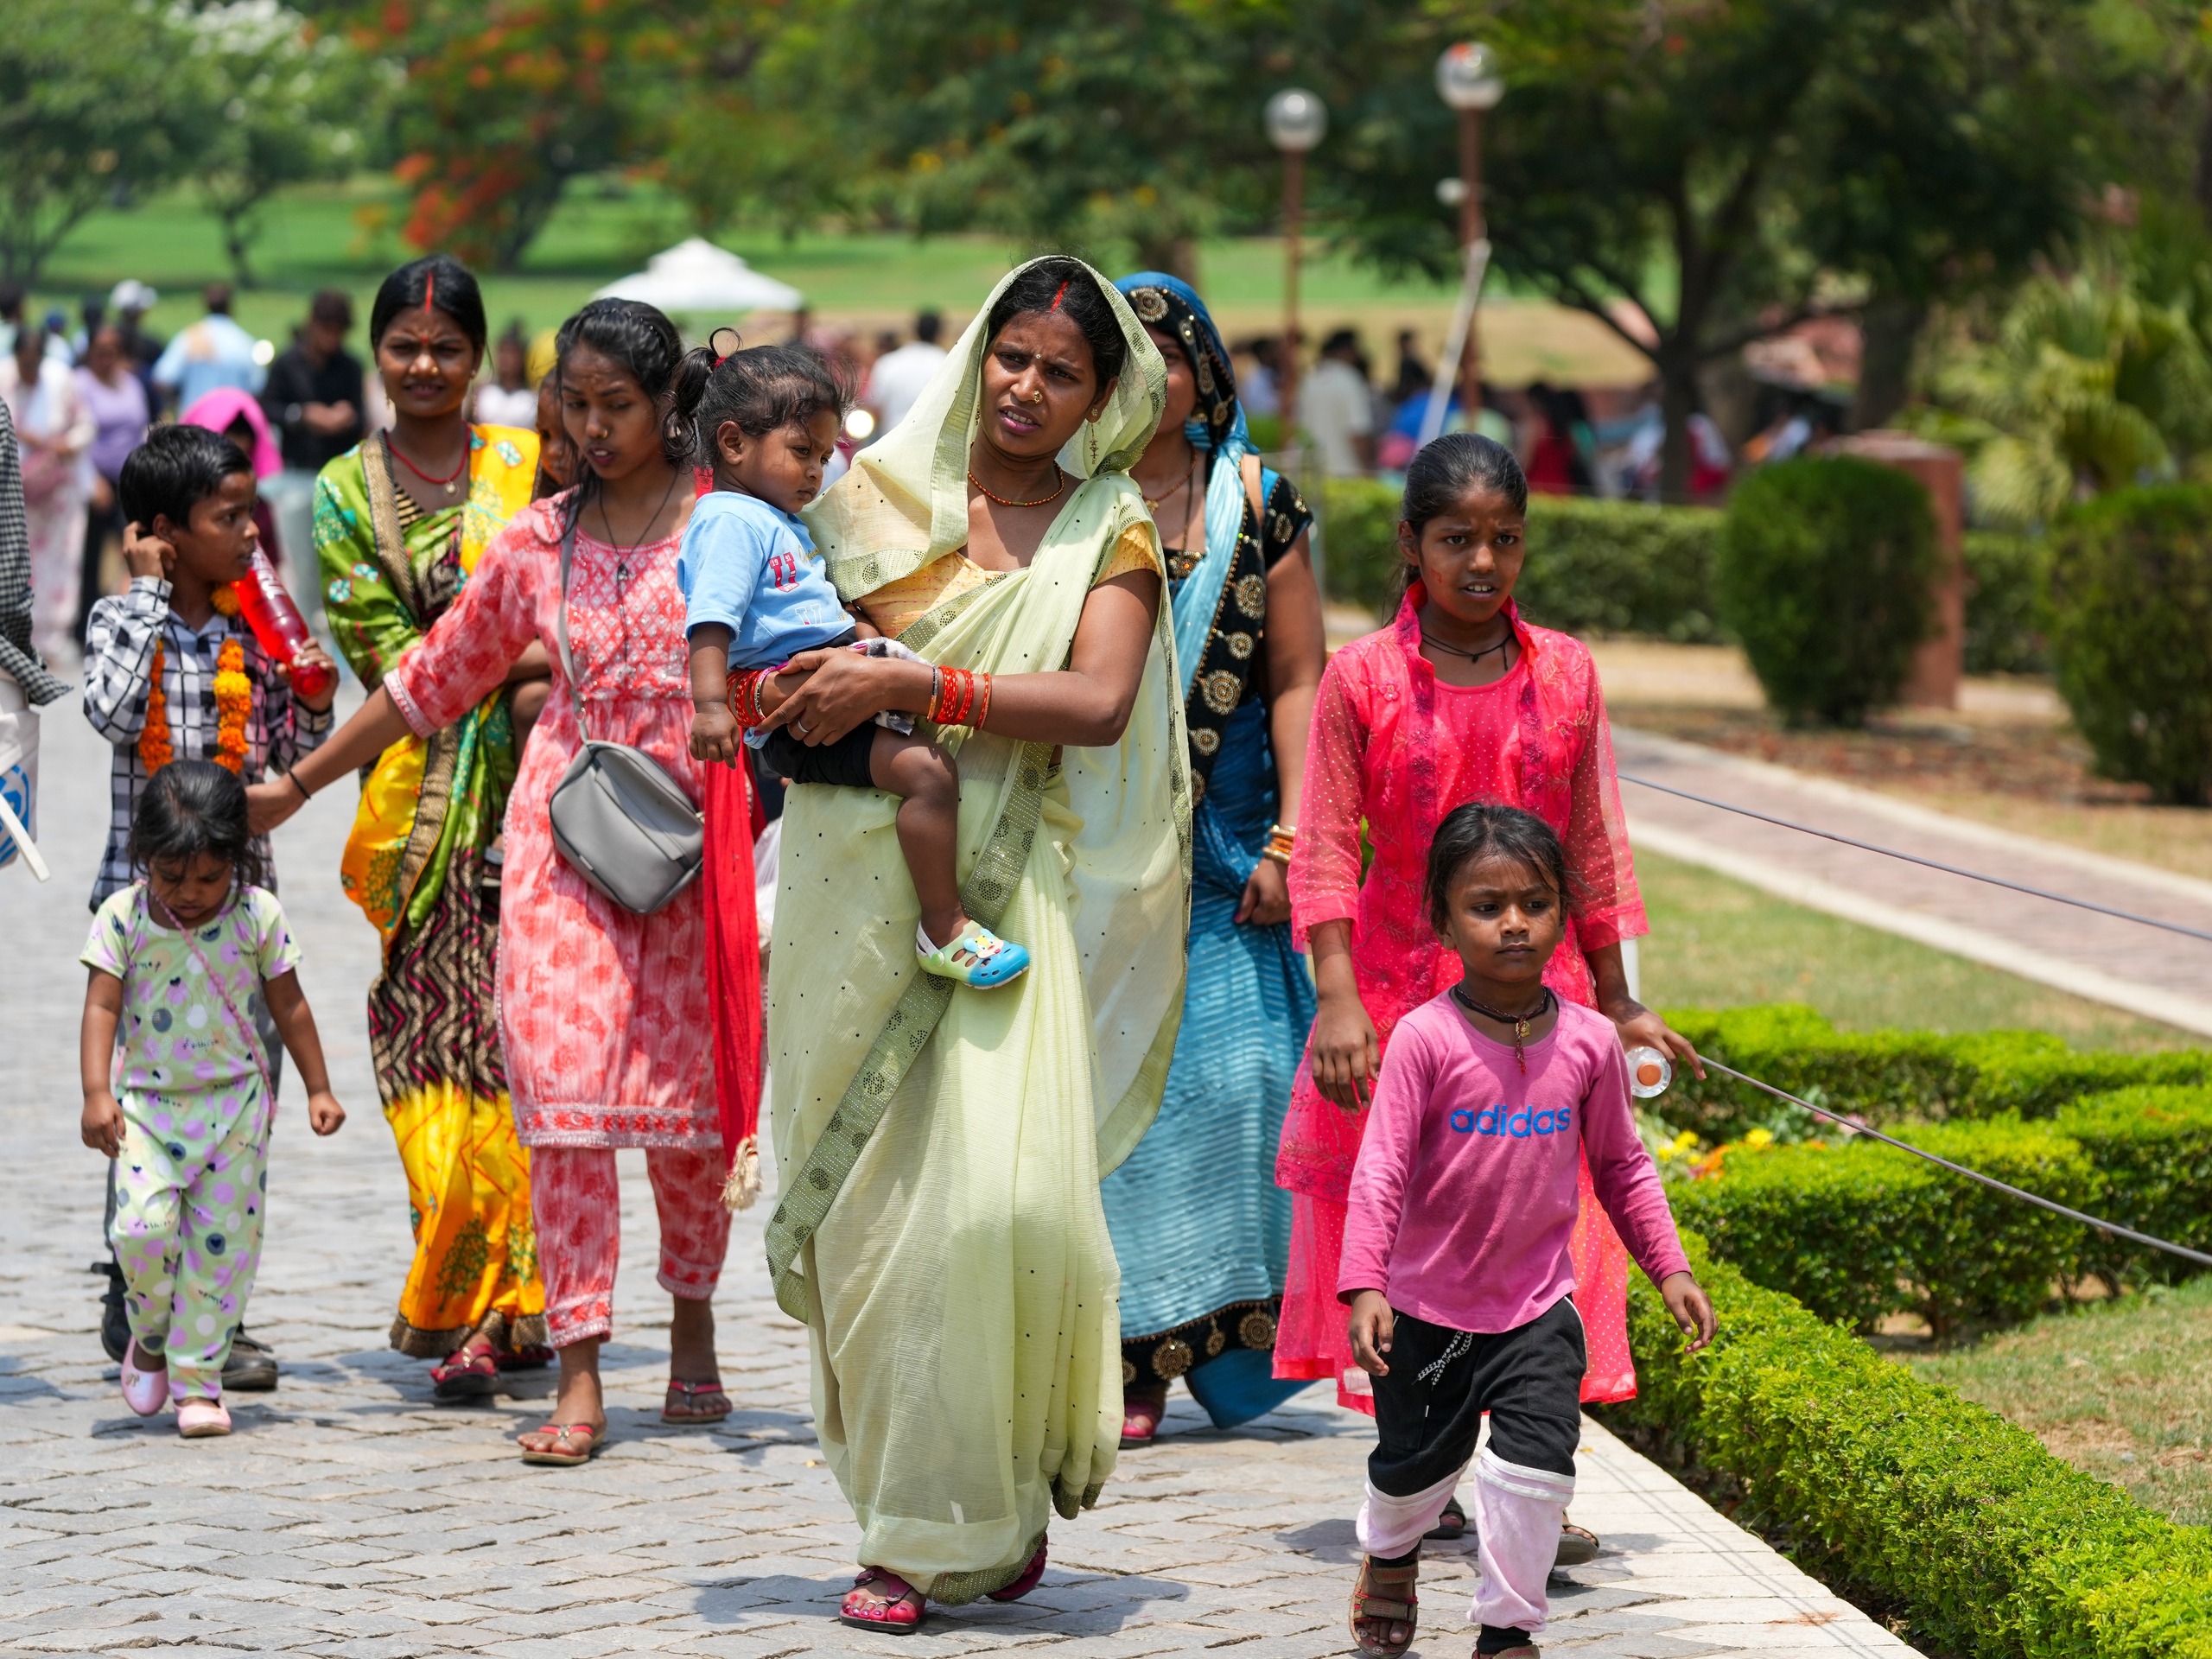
(691, 1403)
(1578, 1547)
(1383, 1600)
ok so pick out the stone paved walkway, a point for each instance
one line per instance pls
(350, 1516)
(2159, 975)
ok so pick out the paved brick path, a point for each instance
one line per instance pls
(2161, 975)
(349, 1515)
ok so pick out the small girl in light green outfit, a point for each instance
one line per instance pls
(180, 962)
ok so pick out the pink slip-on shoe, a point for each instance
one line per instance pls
(198, 1417)
(144, 1391)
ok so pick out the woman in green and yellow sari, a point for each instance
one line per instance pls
(940, 1231)
(399, 523)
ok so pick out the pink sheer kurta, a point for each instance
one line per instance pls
(604, 1015)
(1393, 750)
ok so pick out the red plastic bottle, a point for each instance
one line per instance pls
(277, 622)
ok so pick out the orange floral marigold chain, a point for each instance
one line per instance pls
(233, 700)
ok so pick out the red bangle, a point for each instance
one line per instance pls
(967, 695)
(983, 712)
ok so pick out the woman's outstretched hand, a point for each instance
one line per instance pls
(269, 805)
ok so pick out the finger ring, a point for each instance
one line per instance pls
(802, 726)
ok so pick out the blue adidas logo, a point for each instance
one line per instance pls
(1495, 1120)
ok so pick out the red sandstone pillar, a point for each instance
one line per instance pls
(1940, 662)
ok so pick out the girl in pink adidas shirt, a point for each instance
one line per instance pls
(1455, 1259)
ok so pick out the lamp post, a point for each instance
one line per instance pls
(1296, 121)
(1467, 80)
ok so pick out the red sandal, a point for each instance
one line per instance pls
(895, 1606)
(469, 1372)
(1030, 1577)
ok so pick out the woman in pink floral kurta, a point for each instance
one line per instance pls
(604, 1016)
(604, 1013)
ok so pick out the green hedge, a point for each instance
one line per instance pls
(1619, 566)
(1886, 1483)
(2008, 619)
(2154, 1149)
(1885, 1076)
(1860, 1230)
(1594, 567)
(2131, 580)
(1825, 570)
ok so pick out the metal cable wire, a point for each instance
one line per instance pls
(2111, 1227)
(1930, 863)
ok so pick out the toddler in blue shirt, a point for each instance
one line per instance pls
(755, 595)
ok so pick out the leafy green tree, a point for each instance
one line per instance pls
(93, 106)
(1722, 167)
(1133, 123)
(291, 104)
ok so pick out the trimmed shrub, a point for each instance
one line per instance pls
(1594, 567)
(2130, 584)
(2008, 624)
(1887, 1075)
(1860, 1230)
(1885, 1483)
(1825, 573)
(2154, 1149)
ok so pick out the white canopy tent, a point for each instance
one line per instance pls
(697, 279)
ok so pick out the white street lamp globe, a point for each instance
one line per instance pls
(1296, 120)
(1466, 77)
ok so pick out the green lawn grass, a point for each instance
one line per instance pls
(347, 236)
(2119, 1389)
(1715, 943)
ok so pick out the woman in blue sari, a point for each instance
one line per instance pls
(1200, 1228)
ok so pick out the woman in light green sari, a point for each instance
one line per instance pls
(940, 1231)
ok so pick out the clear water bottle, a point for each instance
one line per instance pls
(1649, 1072)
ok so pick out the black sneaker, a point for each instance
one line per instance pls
(251, 1368)
(115, 1322)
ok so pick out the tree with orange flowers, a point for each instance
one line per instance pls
(507, 102)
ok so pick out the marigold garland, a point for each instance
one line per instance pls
(233, 700)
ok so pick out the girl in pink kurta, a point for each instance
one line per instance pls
(1394, 748)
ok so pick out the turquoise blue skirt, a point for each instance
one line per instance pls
(1201, 1229)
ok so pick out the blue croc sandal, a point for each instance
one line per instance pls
(991, 961)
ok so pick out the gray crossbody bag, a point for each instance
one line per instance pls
(619, 820)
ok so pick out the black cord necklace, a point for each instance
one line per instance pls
(1520, 1022)
(1435, 643)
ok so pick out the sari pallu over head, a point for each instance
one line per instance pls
(940, 1231)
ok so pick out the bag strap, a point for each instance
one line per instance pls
(567, 663)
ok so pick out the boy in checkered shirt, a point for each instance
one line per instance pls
(189, 494)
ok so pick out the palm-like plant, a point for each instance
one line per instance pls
(2096, 379)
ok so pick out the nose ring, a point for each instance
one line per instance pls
(1039, 398)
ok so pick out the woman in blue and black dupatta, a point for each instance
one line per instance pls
(1201, 1229)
